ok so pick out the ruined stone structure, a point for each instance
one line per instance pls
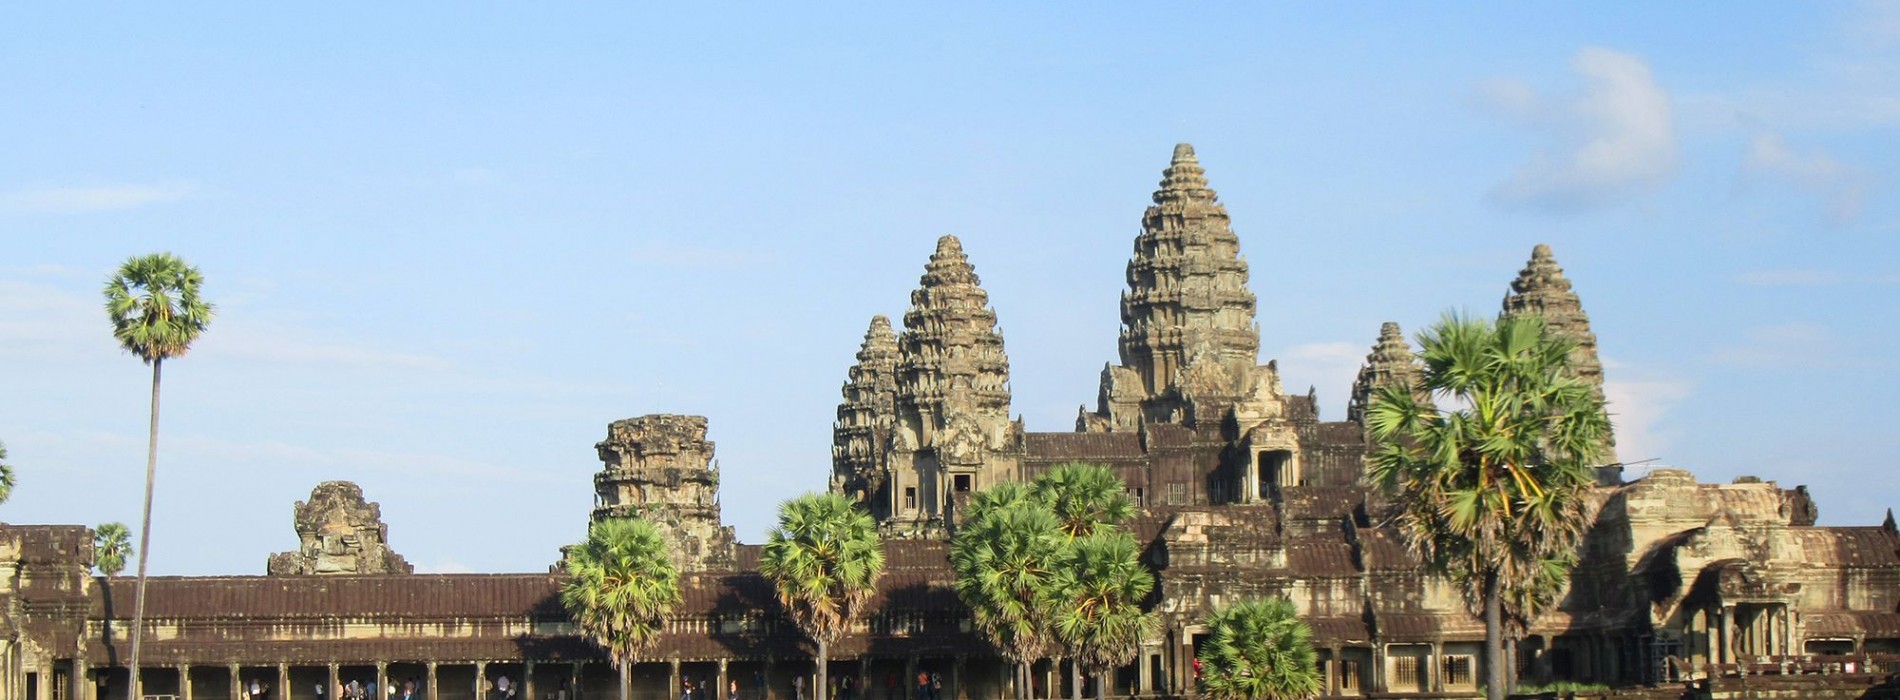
(339, 533)
(661, 468)
(1245, 491)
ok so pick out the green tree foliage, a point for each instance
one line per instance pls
(823, 560)
(1493, 493)
(1003, 563)
(111, 544)
(1099, 589)
(6, 475)
(1259, 650)
(156, 311)
(620, 589)
(1084, 497)
(1047, 566)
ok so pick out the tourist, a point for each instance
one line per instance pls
(936, 686)
(798, 688)
(409, 689)
(923, 687)
(686, 689)
(732, 690)
(257, 691)
(504, 690)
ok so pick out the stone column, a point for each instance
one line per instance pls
(719, 691)
(527, 680)
(184, 681)
(283, 682)
(335, 684)
(1437, 684)
(237, 684)
(45, 690)
(481, 680)
(574, 681)
(382, 681)
(1338, 667)
(429, 678)
(672, 679)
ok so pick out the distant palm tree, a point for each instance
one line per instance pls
(6, 475)
(620, 589)
(824, 561)
(111, 544)
(1259, 650)
(1492, 493)
(156, 313)
(1099, 587)
(1004, 557)
(1085, 496)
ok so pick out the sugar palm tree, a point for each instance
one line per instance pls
(1085, 496)
(1490, 492)
(6, 475)
(156, 312)
(824, 561)
(1004, 558)
(1259, 650)
(111, 544)
(622, 586)
(1100, 586)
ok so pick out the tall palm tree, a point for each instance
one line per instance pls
(156, 312)
(6, 475)
(1100, 586)
(622, 586)
(111, 544)
(1490, 492)
(1259, 650)
(1004, 559)
(1085, 496)
(824, 561)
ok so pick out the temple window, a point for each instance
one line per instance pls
(910, 498)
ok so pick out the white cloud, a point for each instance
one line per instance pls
(1639, 410)
(74, 200)
(1788, 277)
(1784, 345)
(1844, 187)
(1614, 142)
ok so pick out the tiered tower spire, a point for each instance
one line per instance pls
(865, 418)
(952, 396)
(1390, 364)
(1188, 325)
(1542, 289)
(661, 468)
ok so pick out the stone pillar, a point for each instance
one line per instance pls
(527, 680)
(1437, 684)
(1338, 667)
(184, 681)
(429, 678)
(672, 679)
(382, 681)
(237, 684)
(909, 685)
(283, 682)
(719, 691)
(1143, 684)
(574, 681)
(45, 689)
(335, 684)
(956, 679)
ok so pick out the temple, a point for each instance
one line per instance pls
(1720, 589)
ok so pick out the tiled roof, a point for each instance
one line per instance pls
(1051, 447)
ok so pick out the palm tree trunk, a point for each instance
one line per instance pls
(1493, 637)
(626, 679)
(145, 536)
(824, 674)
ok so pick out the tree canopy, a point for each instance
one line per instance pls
(1259, 650)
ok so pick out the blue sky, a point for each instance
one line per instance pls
(450, 243)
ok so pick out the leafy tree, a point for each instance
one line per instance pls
(156, 312)
(1494, 491)
(1003, 559)
(824, 561)
(622, 586)
(111, 544)
(1259, 650)
(6, 475)
(1099, 589)
(1085, 496)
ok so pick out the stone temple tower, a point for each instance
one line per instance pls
(952, 434)
(661, 468)
(1390, 364)
(861, 437)
(1541, 288)
(1189, 344)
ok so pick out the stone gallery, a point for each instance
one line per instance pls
(1243, 491)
